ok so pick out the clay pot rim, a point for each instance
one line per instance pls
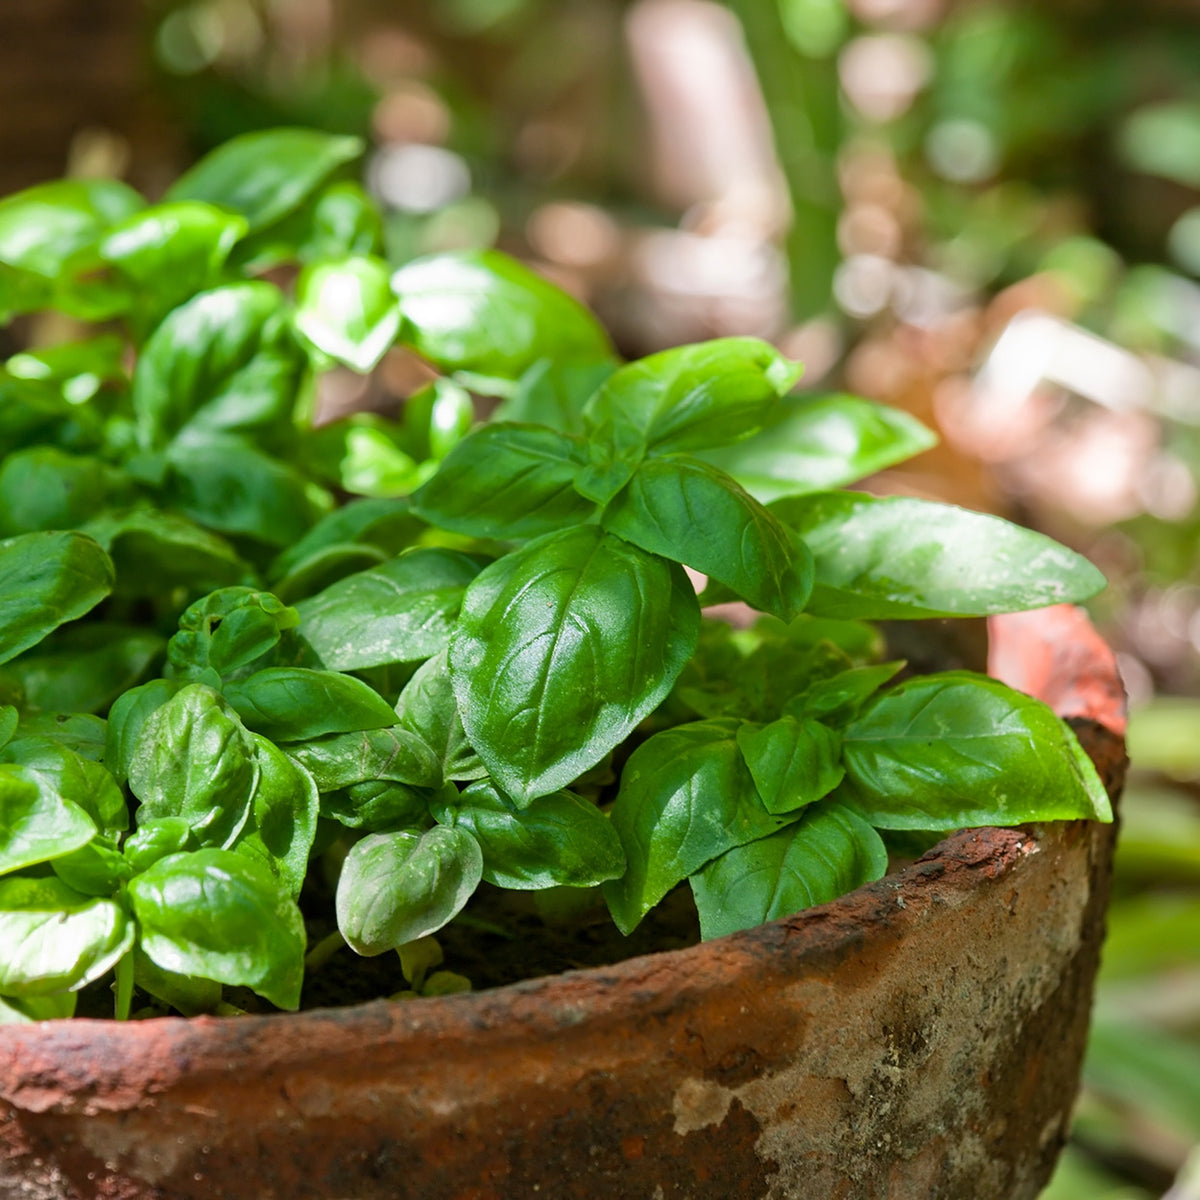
(1087, 688)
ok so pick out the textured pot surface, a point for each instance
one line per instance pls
(919, 1038)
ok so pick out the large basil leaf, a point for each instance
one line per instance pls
(813, 443)
(220, 915)
(686, 796)
(562, 648)
(558, 840)
(54, 939)
(343, 759)
(957, 749)
(81, 732)
(73, 779)
(830, 851)
(190, 995)
(283, 816)
(483, 312)
(883, 557)
(428, 707)
(23, 1010)
(688, 511)
(346, 309)
(400, 611)
(793, 762)
(506, 481)
(195, 759)
(397, 887)
(37, 824)
(265, 174)
(126, 718)
(554, 394)
(47, 579)
(43, 488)
(290, 704)
(691, 397)
(223, 362)
(382, 523)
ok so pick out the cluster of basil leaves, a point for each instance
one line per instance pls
(489, 664)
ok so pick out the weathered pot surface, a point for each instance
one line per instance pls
(919, 1038)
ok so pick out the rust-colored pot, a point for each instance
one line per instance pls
(919, 1038)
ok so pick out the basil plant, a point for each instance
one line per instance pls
(261, 674)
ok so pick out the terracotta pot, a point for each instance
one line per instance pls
(918, 1038)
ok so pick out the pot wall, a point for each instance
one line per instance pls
(919, 1038)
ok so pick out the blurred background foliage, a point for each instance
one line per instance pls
(986, 212)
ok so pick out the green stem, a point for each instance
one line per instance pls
(124, 1000)
(323, 951)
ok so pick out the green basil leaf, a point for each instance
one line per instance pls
(346, 309)
(194, 759)
(558, 840)
(43, 488)
(483, 312)
(400, 611)
(60, 772)
(377, 806)
(365, 454)
(79, 369)
(436, 418)
(325, 567)
(793, 763)
(283, 817)
(562, 648)
(9, 719)
(830, 851)
(219, 915)
(265, 174)
(229, 485)
(506, 481)
(814, 443)
(47, 579)
(53, 939)
(343, 759)
(883, 557)
(190, 995)
(125, 721)
(385, 523)
(688, 511)
(290, 704)
(228, 630)
(22, 1010)
(956, 749)
(80, 732)
(155, 839)
(692, 397)
(37, 823)
(93, 870)
(428, 708)
(169, 252)
(839, 697)
(554, 394)
(84, 668)
(224, 362)
(686, 796)
(397, 887)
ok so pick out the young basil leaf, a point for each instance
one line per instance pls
(290, 704)
(229, 485)
(80, 732)
(228, 630)
(83, 668)
(377, 806)
(830, 851)
(265, 174)
(506, 481)
(562, 648)
(436, 418)
(692, 397)
(224, 362)
(47, 579)
(195, 759)
(883, 557)
(363, 453)
(188, 994)
(36, 823)
(62, 773)
(813, 443)
(793, 762)
(558, 840)
(125, 721)
(154, 839)
(483, 312)
(344, 220)
(686, 510)
(384, 523)
(93, 870)
(686, 796)
(838, 698)
(219, 915)
(957, 749)
(400, 611)
(346, 309)
(54, 939)
(397, 887)
(43, 488)
(21, 1010)
(393, 754)
(428, 708)
(283, 817)
(554, 394)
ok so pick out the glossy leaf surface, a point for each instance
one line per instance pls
(290, 704)
(346, 309)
